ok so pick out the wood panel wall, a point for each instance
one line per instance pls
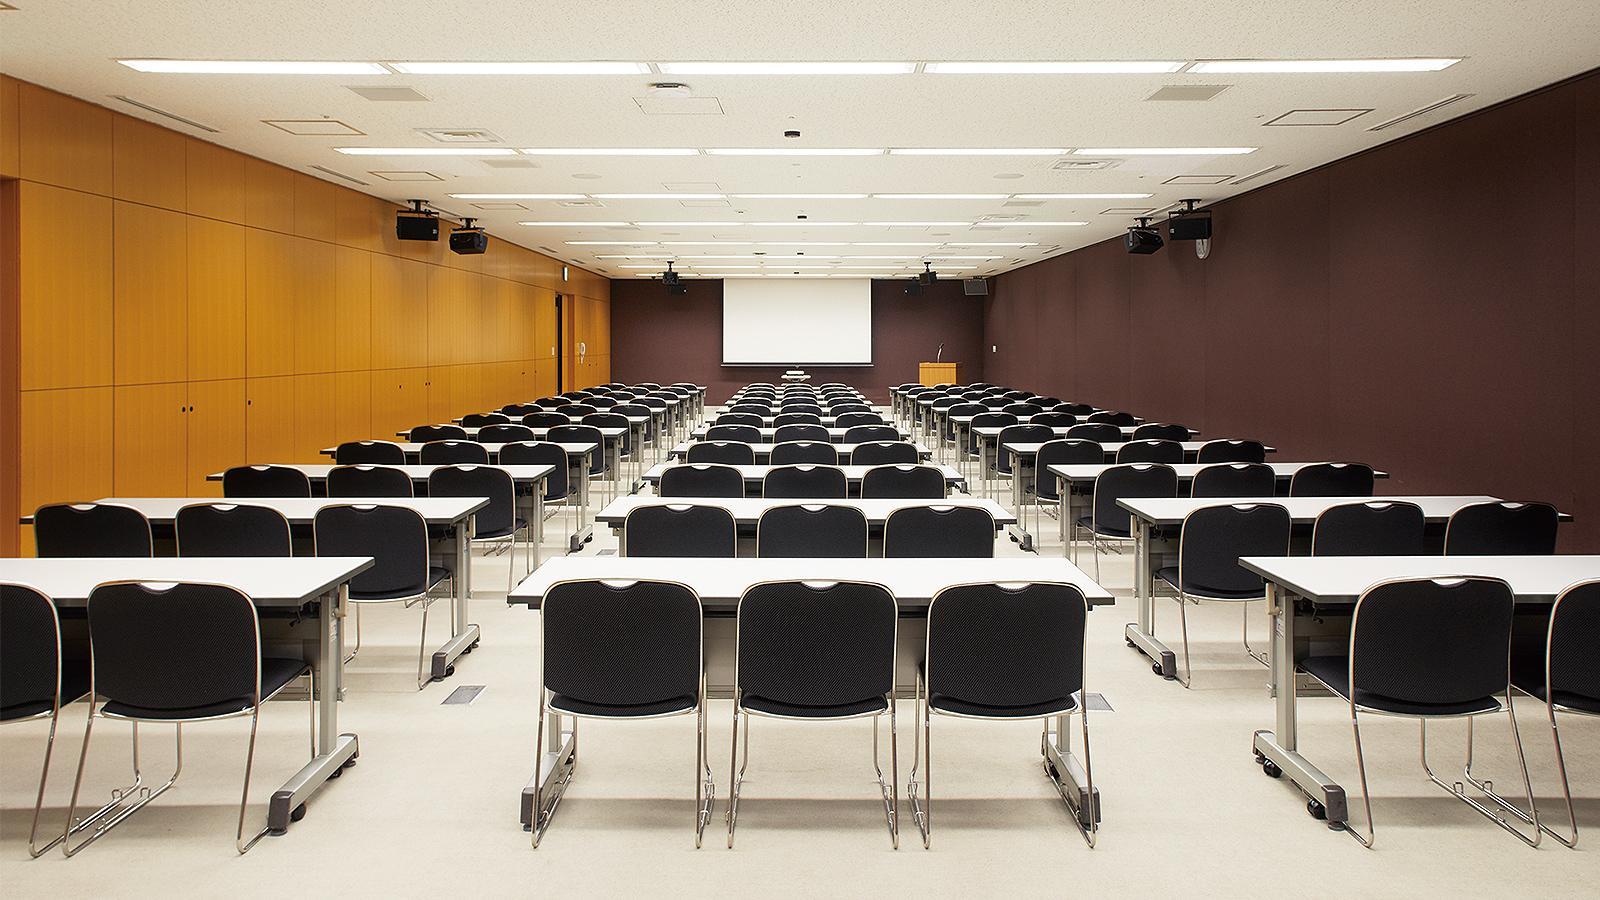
(172, 307)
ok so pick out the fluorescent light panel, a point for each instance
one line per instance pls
(522, 68)
(577, 224)
(610, 151)
(977, 151)
(517, 196)
(426, 151)
(940, 196)
(659, 196)
(1081, 196)
(1164, 151)
(794, 151)
(608, 243)
(918, 224)
(1073, 67)
(787, 68)
(252, 67)
(1025, 225)
(798, 196)
(1296, 66)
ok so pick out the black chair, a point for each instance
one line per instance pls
(1226, 451)
(175, 654)
(369, 481)
(1015, 396)
(1061, 452)
(1374, 528)
(841, 409)
(265, 481)
(786, 433)
(231, 529)
(732, 453)
(1332, 480)
(790, 407)
(602, 403)
(1234, 480)
(1562, 671)
(850, 419)
(576, 410)
(91, 529)
(505, 434)
(377, 453)
(861, 434)
(1018, 434)
(1161, 431)
(1053, 419)
(1022, 410)
(435, 453)
(546, 419)
(1004, 654)
(396, 538)
(582, 434)
(1156, 451)
(1107, 522)
(497, 523)
(820, 453)
(812, 531)
(938, 532)
(1501, 529)
(675, 529)
(1427, 649)
(1099, 432)
(1120, 419)
(804, 482)
(883, 453)
(751, 419)
(701, 480)
(622, 652)
(425, 433)
(903, 482)
(479, 420)
(779, 672)
(39, 674)
(744, 434)
(1077, 409)
(986, 420)
(557, 485)
(756, 409)
(518, 410)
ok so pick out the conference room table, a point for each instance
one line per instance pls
(1310, 601)
(754, 475)
(636, 435)
(932, 422)
(961, 425)
(835, 434)
(282, 590)
(769, 421)
(721, 582)
(1157, 523)
(764, 451)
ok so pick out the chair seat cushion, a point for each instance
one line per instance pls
(74, 684)
(1104, 530)
(1334, 671)
(516, 526)
(1527, 673)
(1169, 574)
(956, 706)
(436, 574)
(276, 673)
(771, 707)
(573, 705)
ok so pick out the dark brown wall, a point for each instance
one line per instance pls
(1430, 307)
(656, 337)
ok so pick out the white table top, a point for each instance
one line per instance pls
(1342, 579)
(1029, 448)
(766, 448)
(319, 471)
(269, 581)
(748, 509)
(1302, 510)
(827, 421)
(414, 448)
(757, 472)
(1186, 471)
(720, 582)
(303, 510)
(834, 434)
(472, 430)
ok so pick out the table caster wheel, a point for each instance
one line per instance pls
(298, 814)
(1316, 810)
(1156, 668)
(1272, 770)
(1128, 642)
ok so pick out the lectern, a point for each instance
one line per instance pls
(932, 373)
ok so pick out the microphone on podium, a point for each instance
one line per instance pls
(939, 357)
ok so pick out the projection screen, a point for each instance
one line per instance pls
(799, 321)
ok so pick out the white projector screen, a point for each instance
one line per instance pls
(800, 321)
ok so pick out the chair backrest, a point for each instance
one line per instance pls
(1502, 528)
(447, 452)
(1161, 431)
(799, 433)
(1022, 410)
(602, 403)
(581, 434)
(938, 532)
(781, 625)
(265, 481)
(518, 410)
(653, 402)
(1099, 432)
(396, 538)
(903, 482)
(882, 453)
(1332, 480)
(812, 531)
(1432, 641)
(478, 420)
(987, 420)
(748, 419)
(606, 420)
(174, 646)
(1019, 434)
(790, 406)
(231, 529)
(731, 453)
(1152, 450)
(541, 453)
(634, 647)
(505, 434)
(1232, 451)
(1063, 452)
(839, 409)
(91, 529)
(848, 419)
(1006, 651)
(496, 519)
(757, 409)
(1572, 665)
(819, 453)
(860, 434)
(424, 433)
(381, 453)
(1015, 396)
(1376, 528)
(747, 434)
(697, 530)
(1077, 409)
(30, 651)
(368, 481)
(804, 481)
(577, 410)
(1053, 419)
(1113, 418)
(1128, 480)
(546, 419)
(1215, 537)
(1234, 480)
(701, 480)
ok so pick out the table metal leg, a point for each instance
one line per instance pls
(1141, 634)
(463, 635)
(1068, 774)
(1019, 493)
(580, 529)
(335, 751)
(554, 769)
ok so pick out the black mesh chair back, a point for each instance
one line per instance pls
(1015, 396)
(505, 434)
(379, 453)
(812, 531)
(839, 409)
(903, 482)
(1161, 431)
(849, 419)
(648, 384)
(781, 627)
(749, 419)
(654, 403)
(1113, 418)
(1062, 452)
(499, 518)
(1053, 419)
(1232, 451)
(799, 433)
(758, 409)
(478, 420)
(1234, 480)
(884, 453)
(425, 433)
(780, 420)
(701, 480)
(790, 453)
(91, 529)
(231, 529)
(368, 481)
(1098, 432)
(576, 410)
(791, 407)
(612, 420)
(1154, 450)
(938, 532)
(1419, 645)
(541, 453)
(1123, 481)
(988, 420)
(602, 403)
(745, 434)
(1215, 537)
(1573, 665)
(394, 536)
(804, 482)
(1377, 528)
(687, 530)
(1502, 529)
(1006, 652)
(265, 481)
(517, 410)
(436, 453)
(1019, 434)
(1022, 410)
(622, 650)
(546, 419)
(1077, 409)
(205, 637)
(731, 453)
(1332, 480)
(581, 434)
(860, 434)
(31, 659)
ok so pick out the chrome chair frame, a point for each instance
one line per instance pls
(54, 714)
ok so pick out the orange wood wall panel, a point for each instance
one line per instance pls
(216, 433)
(66, 446)
(10, 148)
(150, 277)
(216, 307)
(63, 141)
(269, 420)
(352, 279)
(269, 286)
(358, 220)
(268, 196)
(399, 400)
(149, 164)
(314, 205)
(65, 265)
(216, 182)
(353, 405)
(315, 313)
(316, 422)
(399, 312)
(149, 440)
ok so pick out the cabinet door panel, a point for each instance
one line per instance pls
(216, 432)
(150, 440)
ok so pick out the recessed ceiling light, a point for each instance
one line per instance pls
(895, 243)
(517, 196)
(426, 151)
(673, 196)
(688, 224)
(798, 196)
(609, 243)
(917, 224)
(786, 68)
(1081, 196)
(252, 67)
(940, 196)
(1255, 66)
(894, 256)
(800, 224)
(636, 265)
(521, 68)
(963, 257)
(706, 243)
(794, 151)
(638, 256)
(1075, 67)
(576, 224)
(1026, 224)
(610, 151)
(754, 256)
(977, 151)
(1164, 151)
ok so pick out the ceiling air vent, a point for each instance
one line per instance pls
(581, 204)
(1197, 179)
(1296, 117)
(1190, 93)
(163, 113)
(1023, 203)
(1074, 164)
(387, 94)
(510, 162)
(460, 135)
(1421, 111)
(340, 175)
(1258, 173)
(407, 175)
(313, 127)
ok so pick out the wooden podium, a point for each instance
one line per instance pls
(932, 373)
